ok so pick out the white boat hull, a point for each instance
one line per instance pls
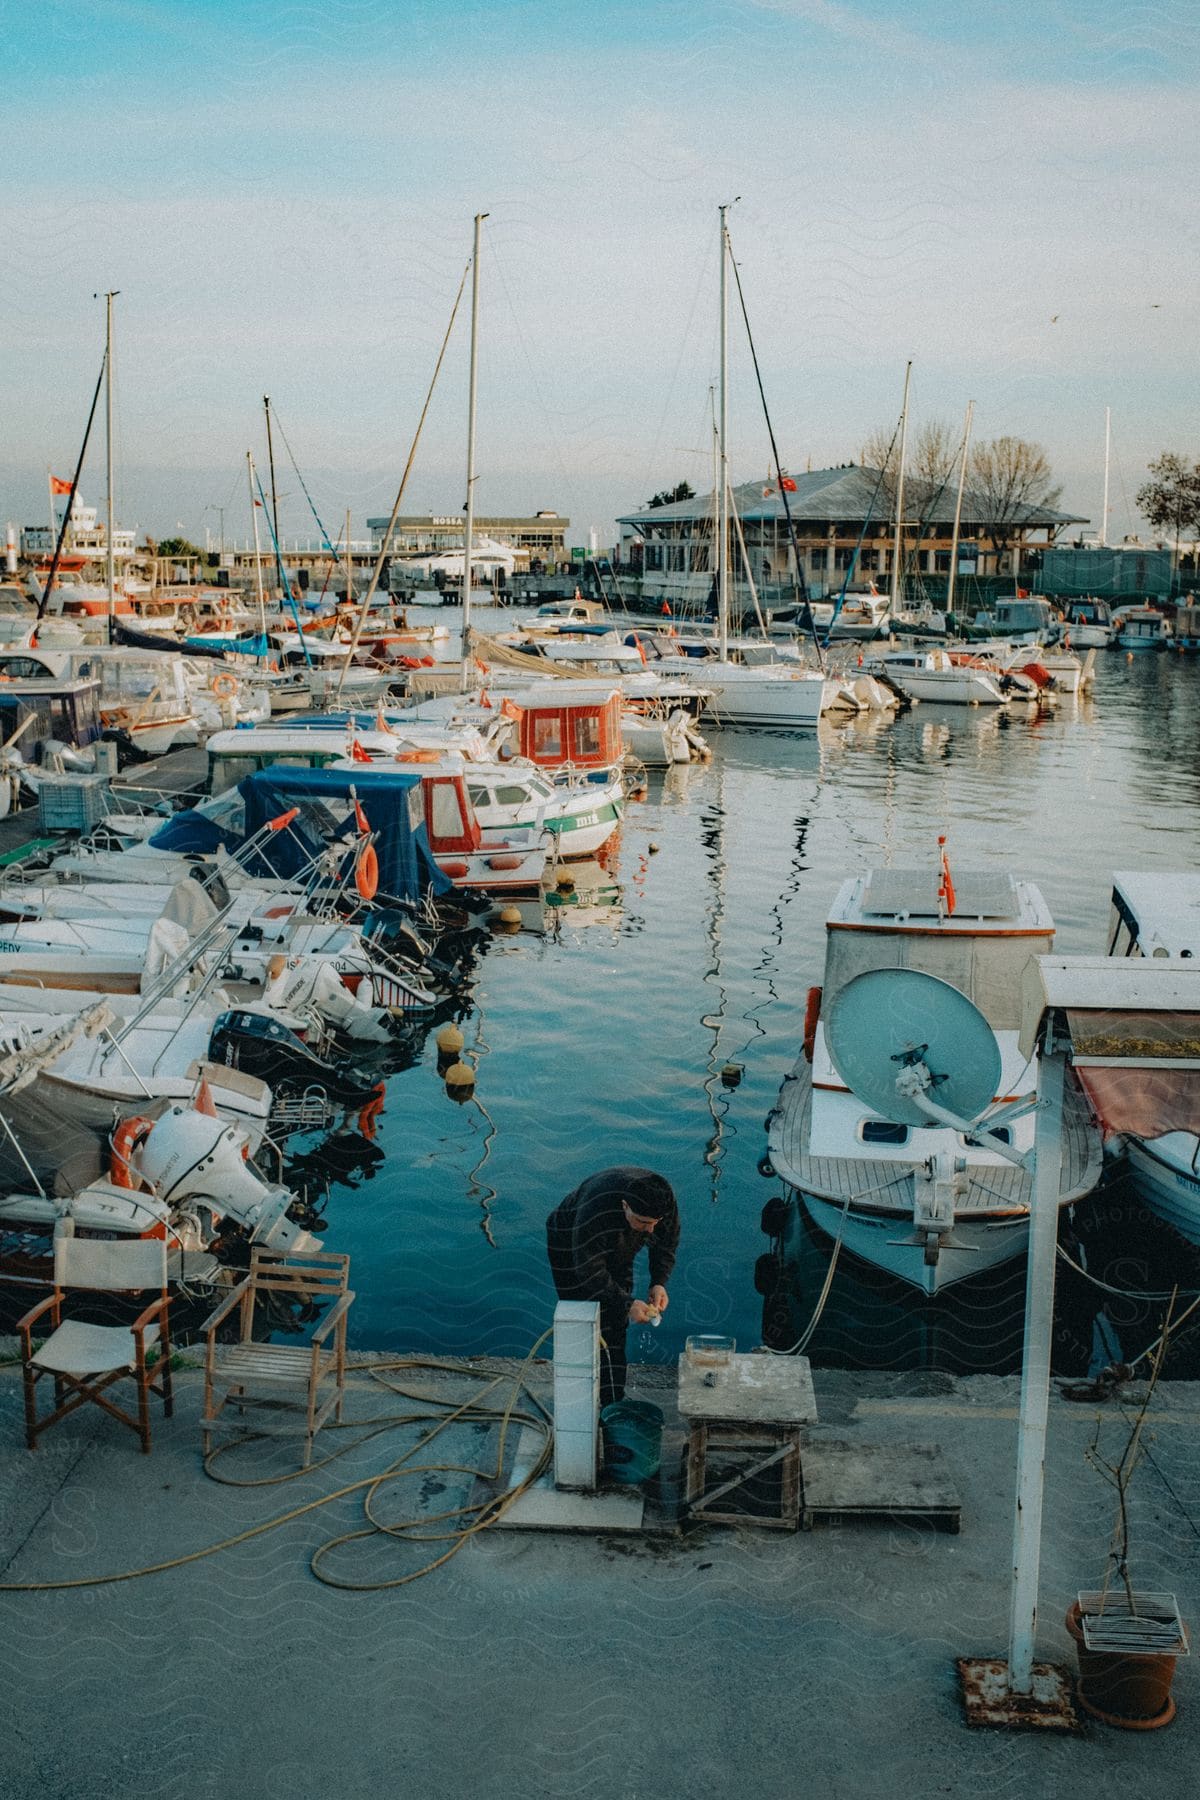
(953, 687)
(739, 696)
(980, 1244)
(1167, 1182)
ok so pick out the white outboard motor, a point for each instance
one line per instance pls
(190, 1155)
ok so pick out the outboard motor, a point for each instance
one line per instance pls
(195, 1156)
(261, 1046)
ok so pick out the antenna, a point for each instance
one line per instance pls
(914, 1049)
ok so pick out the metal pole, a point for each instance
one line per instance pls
(108, 452)
(349, 564)
(723, 470)
(258, 580)
(1035, 1367)
(1104, 508)
(469, 522)
(897, 540)
(274, 494)
(962, 482)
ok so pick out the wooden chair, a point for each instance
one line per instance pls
(85, 1360)
(253, 1373)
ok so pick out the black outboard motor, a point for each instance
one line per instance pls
(262, 1047)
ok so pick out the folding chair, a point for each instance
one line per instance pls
(85, 1360)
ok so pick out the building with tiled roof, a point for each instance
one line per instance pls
(844, 529)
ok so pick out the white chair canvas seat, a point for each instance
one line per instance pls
(79, 1349)
(83, 1360)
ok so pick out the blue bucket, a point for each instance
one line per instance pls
(632, 1434)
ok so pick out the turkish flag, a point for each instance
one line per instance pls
(787, 484)
(357, 753)
(59, 487)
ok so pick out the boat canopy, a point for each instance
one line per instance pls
(1134, 1031)
(391, 800)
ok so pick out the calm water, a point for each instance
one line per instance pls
(601, 1038)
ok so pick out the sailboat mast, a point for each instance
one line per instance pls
(274, 493)
(1104, 508)
(258, 580)
(898, 538)
(110, 567)
(349, 564)
(469, 521)
(723, 471)
(962, 482)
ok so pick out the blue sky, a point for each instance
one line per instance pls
(283, 195)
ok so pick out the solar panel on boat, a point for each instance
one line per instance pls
(978, 893)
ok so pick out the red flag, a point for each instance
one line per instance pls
(59, 487)
(787, 484)
(945, 882)
(510, 709)
(767, 492)
(357, 753)
(360, 818)
(204, 1102)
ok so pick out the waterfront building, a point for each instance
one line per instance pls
(85, 538)
(540, 537)
(844, 530)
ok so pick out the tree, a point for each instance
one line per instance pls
(177, 546)
(1171, 500)
(1008, 478)
(931, 456)
(682, 491)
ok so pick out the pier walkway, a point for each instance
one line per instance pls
(670, 1667)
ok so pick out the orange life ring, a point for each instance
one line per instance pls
(129, 1134)
(812, 1012)
(370, 1113)
(419, 756)
(366, 872)
(223, 685)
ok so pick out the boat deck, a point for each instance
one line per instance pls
(882, 1185)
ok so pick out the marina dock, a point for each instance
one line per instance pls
(536, 1663)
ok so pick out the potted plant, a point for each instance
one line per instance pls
(1126, 1639)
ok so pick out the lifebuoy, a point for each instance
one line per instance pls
(370, 1113)
(366, 872)
(812, 1012)
(126, 1139)
(223, 685)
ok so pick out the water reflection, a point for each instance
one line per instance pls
(601, 1025)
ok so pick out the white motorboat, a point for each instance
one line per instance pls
(934, 674)
(874, 1184)
(179, 1173)
(1143, 628)
(1087, 625)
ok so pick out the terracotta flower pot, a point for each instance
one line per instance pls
(1122, 1688)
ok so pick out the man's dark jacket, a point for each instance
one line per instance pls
(591, 1243)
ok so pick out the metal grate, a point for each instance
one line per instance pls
(1150, 1627)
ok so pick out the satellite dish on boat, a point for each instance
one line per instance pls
(890, 1028)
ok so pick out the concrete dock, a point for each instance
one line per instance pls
(667, 1667)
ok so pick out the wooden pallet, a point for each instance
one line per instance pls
(844, 1479)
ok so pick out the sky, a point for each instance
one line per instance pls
(283, 195)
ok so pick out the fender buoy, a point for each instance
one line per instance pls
(126, 1139)
(504, 862)
(223, 685)
(366, 872)
(812, 1012)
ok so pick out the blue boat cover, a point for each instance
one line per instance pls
(191, 834)
(393, 811)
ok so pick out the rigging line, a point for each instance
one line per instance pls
(1127, 1293)
(287, 586)
(70, 506)
(299, 477)
(801, 584)
(862, 535)
(385, 542)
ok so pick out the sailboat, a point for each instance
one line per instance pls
(741, 693)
